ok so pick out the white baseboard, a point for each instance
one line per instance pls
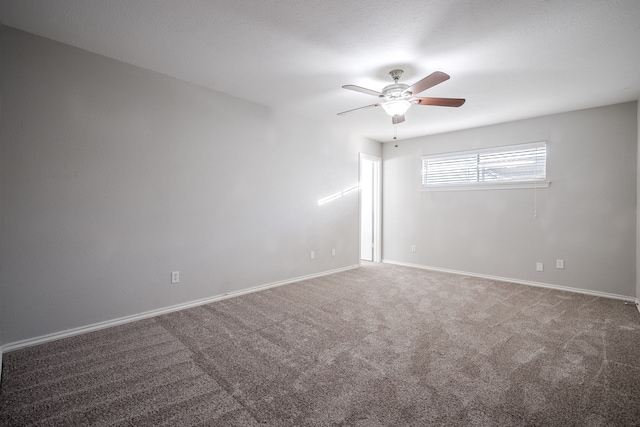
(127, 319)
(521, 282)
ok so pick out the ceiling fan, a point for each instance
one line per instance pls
(396, 98)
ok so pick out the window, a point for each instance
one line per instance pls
(521, 165)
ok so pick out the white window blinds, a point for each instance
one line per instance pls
(521, 163)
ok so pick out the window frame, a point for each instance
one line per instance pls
(485, 185)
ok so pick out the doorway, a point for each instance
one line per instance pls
(370, 248)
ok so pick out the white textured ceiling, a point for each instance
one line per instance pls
(510, 59)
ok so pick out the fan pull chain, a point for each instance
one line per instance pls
(395, 131)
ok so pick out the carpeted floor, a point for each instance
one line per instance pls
(381, 345)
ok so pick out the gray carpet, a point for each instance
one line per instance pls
(380, 345)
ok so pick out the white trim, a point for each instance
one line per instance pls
(518, 281)
(377, 204)
(153, 313)
(638, 304)
(488, 186)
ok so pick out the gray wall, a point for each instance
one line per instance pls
(587, 216)
(113, 176)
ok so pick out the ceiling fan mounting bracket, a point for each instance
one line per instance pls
(396, 74)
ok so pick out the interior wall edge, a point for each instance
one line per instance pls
(517, 281)
(29, 342)
(638, 204)
(1, 287)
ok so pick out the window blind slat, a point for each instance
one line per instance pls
(515, 163)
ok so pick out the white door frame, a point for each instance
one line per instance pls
(377, 187)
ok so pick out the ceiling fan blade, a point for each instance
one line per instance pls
(431, 80)
(359, 108)
(441, 102)
(363, 90)
(396, 120)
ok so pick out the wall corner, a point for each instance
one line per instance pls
(638, 205)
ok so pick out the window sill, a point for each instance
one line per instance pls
(488, 186)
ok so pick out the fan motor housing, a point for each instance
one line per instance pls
(395, 91)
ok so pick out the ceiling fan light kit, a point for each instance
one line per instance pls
(397, 98)
(396, 107)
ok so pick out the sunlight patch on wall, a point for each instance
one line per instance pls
(337, 195)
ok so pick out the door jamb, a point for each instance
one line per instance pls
(377, 212)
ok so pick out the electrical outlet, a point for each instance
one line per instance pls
(539, 266)
(313, 255)
(333, 252)
(559, 263)
(413, 248)
(175, 276)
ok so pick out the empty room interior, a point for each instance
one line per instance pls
(357, 213)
